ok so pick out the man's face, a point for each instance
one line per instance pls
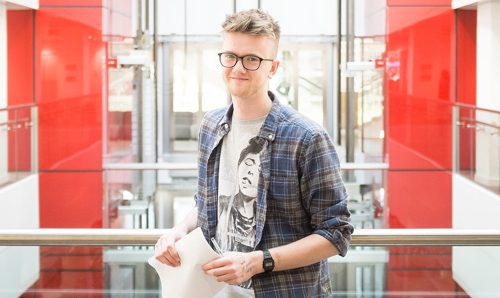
(248, 175)
(244, 83)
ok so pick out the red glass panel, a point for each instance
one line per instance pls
(466, 85)
(20, 86)
(419, 87)
(71, 200)
(419, 2)
(69, 3)
(419, 98)
(75, 268)
(70, 61)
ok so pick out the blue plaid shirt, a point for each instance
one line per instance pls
(300, 193)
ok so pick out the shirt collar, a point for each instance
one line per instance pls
(269, 127)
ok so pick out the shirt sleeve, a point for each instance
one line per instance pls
(323, 192)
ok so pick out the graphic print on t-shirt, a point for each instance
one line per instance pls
(237, 211)
(239, 173)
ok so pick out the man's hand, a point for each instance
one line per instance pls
(165, 251)
(235, 268)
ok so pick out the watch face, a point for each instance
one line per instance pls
(268, 262)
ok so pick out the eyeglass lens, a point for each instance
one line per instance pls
(250, 62)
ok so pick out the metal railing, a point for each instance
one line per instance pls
(18, 142)
(361, 237)
(194, 166)
(476, 139)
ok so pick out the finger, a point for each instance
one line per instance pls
(174, 255)
(221, 271)
(221, 276)
(216, 263)
(164, 260)
(171, 261)
(228, 278)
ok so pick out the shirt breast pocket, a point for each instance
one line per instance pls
(283, 192)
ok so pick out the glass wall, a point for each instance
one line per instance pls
(18, 143)
(477, 131)
(388, 271)
(307, 79)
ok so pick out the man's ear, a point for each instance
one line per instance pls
(273, 69)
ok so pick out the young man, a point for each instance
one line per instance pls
(277, 234)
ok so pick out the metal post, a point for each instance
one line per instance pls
(455, 139)
(339, 72)
(350, 98)
(34, 140)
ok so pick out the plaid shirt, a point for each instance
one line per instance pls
(300, 193)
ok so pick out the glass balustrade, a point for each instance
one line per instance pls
(17, 143)
(367, 271)
(132, 199)
(477, 145)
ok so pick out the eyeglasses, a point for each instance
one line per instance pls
(249, 62)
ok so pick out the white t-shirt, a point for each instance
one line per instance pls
(239, 174)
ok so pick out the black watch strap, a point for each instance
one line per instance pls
(268, 262)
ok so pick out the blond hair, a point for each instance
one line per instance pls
(254, 22)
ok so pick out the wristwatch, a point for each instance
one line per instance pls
(268, 262)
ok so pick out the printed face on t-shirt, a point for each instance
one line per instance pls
(248, 175)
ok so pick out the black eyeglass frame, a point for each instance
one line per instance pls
(242, 63)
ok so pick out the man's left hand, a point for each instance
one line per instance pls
(235, 268)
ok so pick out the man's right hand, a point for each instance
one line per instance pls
(165, 251)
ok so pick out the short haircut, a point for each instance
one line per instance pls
(254, 22)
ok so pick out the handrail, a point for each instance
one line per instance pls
(17, 107)
(25, 120)
(462, 123)
(468, 106)
(194, 166)
(361, 237)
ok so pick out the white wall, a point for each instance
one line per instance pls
(20, 265)
(22, 4)
(476, 269)
(488, 90)
(488, 49)
(456, 4)
(19, 210)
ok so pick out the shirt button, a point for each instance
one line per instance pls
(270, 136)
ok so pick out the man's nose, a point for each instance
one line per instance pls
(239, 65)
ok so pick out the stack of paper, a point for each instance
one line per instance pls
(188, 280)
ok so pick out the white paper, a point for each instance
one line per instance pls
(188, 280)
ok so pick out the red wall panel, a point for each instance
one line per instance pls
(419, 87)
(419, 84)
(20, 57)
(20, 85)
(420, 91)
(71, 199)
(419, 199)
(466, 56)
(80, 269)
(466, 83)
(419, 2)
(69, 89)
(72, 3)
